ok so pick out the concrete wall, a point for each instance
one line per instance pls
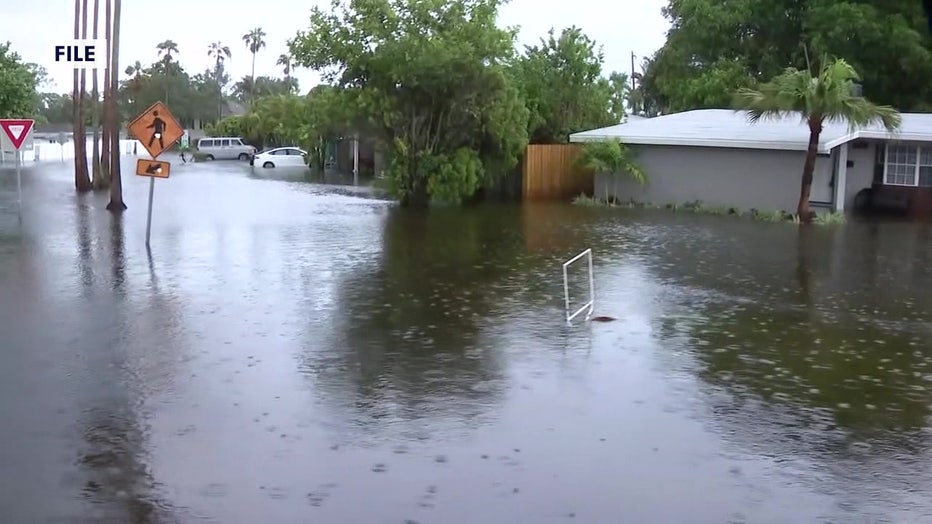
(743, 178)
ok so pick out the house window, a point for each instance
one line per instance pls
(908, 165)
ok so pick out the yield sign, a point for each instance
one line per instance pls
(17, 130)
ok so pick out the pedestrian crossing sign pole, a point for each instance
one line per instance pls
(157, 130)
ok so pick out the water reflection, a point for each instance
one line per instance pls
(845, 375)
(222, 369)
(410, 325)
(113, 456)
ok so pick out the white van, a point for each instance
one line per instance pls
(224, 148)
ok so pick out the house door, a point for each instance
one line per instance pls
(822, 177)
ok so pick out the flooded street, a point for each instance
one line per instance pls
(292, 352)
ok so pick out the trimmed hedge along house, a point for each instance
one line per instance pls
(718, 157)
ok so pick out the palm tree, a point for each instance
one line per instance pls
(108, 95)
(254, 42)
(134, 70)
(219, 53)
(166, 49)
(97, 180)
(82, 181)
(116, 184)
(287, 64)
(830, 96)
(613, 158)
(135, 82)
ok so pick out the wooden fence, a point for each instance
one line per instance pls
(549, 172)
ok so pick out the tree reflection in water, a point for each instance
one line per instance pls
(113, 457)
(829, 366)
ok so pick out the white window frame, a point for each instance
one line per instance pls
(886, 164)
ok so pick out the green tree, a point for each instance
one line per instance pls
(431, 75)
(190, 97)
(564, 88)
(287, 64)
(715, 47)
(219, 53)
(828, 96)
(166, 49)
(247, 89)
(18, 81)
(612, 157)
(255, 41)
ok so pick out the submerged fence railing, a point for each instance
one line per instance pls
(589, 306)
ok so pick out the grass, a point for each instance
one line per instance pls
(830, 219)
(589, 201)
(699, 207)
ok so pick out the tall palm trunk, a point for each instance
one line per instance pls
(108, 93)
(802, 208)
(96, 179)
(81, 181)
(85, 177)
(253, 77)
(116, 184)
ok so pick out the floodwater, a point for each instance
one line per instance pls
(292, 352)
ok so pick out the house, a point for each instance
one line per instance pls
(720, 158)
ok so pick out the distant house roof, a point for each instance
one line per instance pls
(727, 128)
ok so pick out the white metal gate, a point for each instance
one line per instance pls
(590, 304)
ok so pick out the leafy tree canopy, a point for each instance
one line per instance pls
(18, 82)
(565, 89)
(715, 47)
(432, 76)
(246, 88)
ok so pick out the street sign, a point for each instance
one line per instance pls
(156, 129)
(15, 132)
(153, 168)
(14, 135)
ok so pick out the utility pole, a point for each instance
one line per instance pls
(633, 87)
(634, 108)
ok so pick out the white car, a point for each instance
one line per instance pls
(280, 157)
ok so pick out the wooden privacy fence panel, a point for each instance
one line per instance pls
(549, 172)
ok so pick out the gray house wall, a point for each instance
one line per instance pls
(766, 180)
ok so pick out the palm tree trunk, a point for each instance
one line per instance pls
(116, 184)
(253, 77)
(81, 180)
(107, 131)
(85, 176)
(802, 208)
(95, 94)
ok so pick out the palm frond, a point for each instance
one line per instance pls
(827, 96)
(613, 157)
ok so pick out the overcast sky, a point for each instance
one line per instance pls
(33, 27)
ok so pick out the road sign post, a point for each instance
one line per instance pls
(14, 135)
(157, 129)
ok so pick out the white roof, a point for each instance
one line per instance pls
(728, 128)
